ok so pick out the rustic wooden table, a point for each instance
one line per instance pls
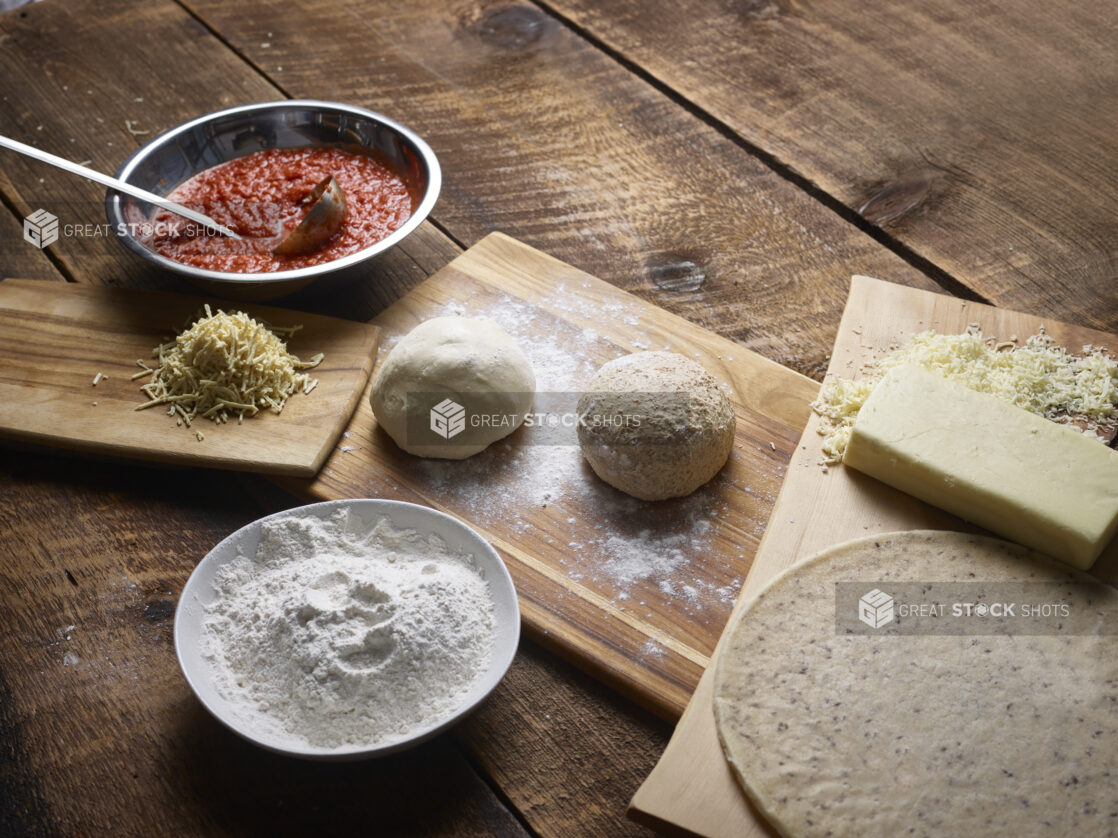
(732, 162)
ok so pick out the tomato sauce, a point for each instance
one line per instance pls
(260, 197)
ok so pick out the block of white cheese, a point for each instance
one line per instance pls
(1017, 474)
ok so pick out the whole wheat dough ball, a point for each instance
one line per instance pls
(655, 425)
(452, 386)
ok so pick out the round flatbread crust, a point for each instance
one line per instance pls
(847, 734)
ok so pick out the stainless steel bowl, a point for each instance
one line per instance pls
(180, 153)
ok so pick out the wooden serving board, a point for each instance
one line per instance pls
(692, 790)
(637, 593)
(56, 337)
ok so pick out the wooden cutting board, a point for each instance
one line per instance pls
(56, 337)
(637, 593)
(691, 790)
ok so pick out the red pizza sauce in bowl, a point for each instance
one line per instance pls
(261, 198)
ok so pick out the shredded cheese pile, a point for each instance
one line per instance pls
(225, 364)
(1039, 377)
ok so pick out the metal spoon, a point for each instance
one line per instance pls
(323, 221)
(118, 185)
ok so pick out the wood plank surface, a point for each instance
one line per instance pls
(563, 751)
(691, 790)
(543, 137)
(100, 733)
(983, 137)
(19, 258)
(68, 354)
(529, 759)
(530, 743)
(637, 593)
(64, 93)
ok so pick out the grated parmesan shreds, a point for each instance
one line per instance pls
(225, 364)
(1040, 377)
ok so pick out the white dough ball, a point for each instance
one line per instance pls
(452, 386)
(657, 425)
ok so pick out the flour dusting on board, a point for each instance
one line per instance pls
(631, 542)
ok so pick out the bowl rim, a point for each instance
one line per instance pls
(190, 611)
(434, 187)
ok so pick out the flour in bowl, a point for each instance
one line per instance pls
(341, 633)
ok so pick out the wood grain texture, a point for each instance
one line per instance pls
(18, 257)
(102, 736)
(56, 340)
(982, 138)
(89, 35)
(637, 593)
(564, 751)
(471, 75)
(567, 753)
(66, 93)
(545, 138)
(692, 789)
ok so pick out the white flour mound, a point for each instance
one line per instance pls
(341, 633)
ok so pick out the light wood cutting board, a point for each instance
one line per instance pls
(691, 790)
(56, 337)
(636, 593)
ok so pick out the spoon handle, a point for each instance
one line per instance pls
(118, 185)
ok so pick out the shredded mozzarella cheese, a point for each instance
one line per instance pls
(225, 364)
(1039, 377)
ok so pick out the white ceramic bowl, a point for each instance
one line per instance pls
(199, 593)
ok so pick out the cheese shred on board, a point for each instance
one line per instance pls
(225, 365)
(1039, 376)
